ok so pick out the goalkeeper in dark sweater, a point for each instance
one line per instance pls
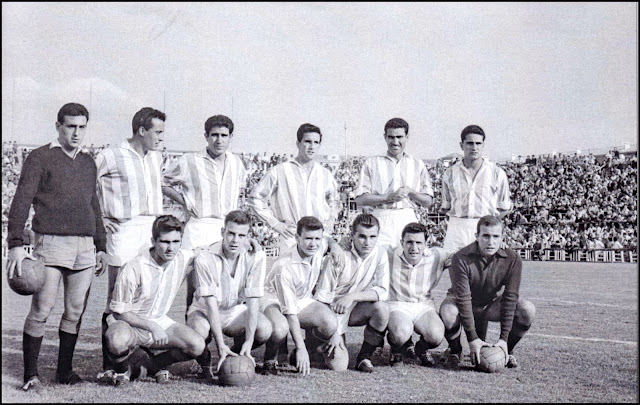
(60, 182)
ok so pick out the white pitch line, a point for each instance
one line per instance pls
(593, 304)
(624, 342)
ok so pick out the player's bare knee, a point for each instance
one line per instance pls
(449, 315)
(380, 312)
(279, 331)
(117, 343)
(201, 328)
(434, 335)
(399, 333)
(195, 345)
(263, 331)
(327, 327)
(525, 312)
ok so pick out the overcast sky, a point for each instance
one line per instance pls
(535, 76)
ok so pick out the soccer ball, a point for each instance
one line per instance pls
(492, 359)
(339, 359)
(31, 280)
(236, 371)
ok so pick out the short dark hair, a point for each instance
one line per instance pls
(72, 110)
(144, 117)
(218, 121)
(415, 227)
(237, 217)
(488, 220)
(164, 224)
(366, 220)
(306, 127)
(308, 224)
(397, 123)
(471, 129)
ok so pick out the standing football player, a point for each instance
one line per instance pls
(394, 184)
(472, 188)
(129, 186)
(210, 184)
(60, 182)
(297, 188)
(478, 273)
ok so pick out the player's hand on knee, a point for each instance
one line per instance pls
(160, 337)
(14, 260)
(503, 345)
(302, 361)
(474, 348)
(342, 304)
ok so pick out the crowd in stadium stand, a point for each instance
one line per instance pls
(565, 202)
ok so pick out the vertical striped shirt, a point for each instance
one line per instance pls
(383, 175)
(410, 283)
(356, 275)
(294, 194)
(129, 184)
(292, 279)
(210, 189)
(467, 197)
(230, 283)
(148, 289)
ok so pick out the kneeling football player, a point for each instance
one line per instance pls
(288, 302)
(143, 294)
(228, 282)
(415, 271)
(357, 291)
(478, 272)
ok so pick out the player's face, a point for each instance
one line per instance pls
(413, 246)
(218, 140)
(71, 131)
(489, 239)
(396, 140)
(234, 236)
(308, 146)
(154, 136)
(167, 245)
(472, 146)
(364, 239)
(309, 242)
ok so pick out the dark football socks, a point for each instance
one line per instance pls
(204, 360)
(30, 352)
(518, 330)
(453, 338)
(372, 339)
(65, 353)
(165, 359)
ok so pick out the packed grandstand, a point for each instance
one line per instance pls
(580, 207)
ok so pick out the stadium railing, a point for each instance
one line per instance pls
(580, 255)
(272, 251)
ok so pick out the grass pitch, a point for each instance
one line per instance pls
(582, 347)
